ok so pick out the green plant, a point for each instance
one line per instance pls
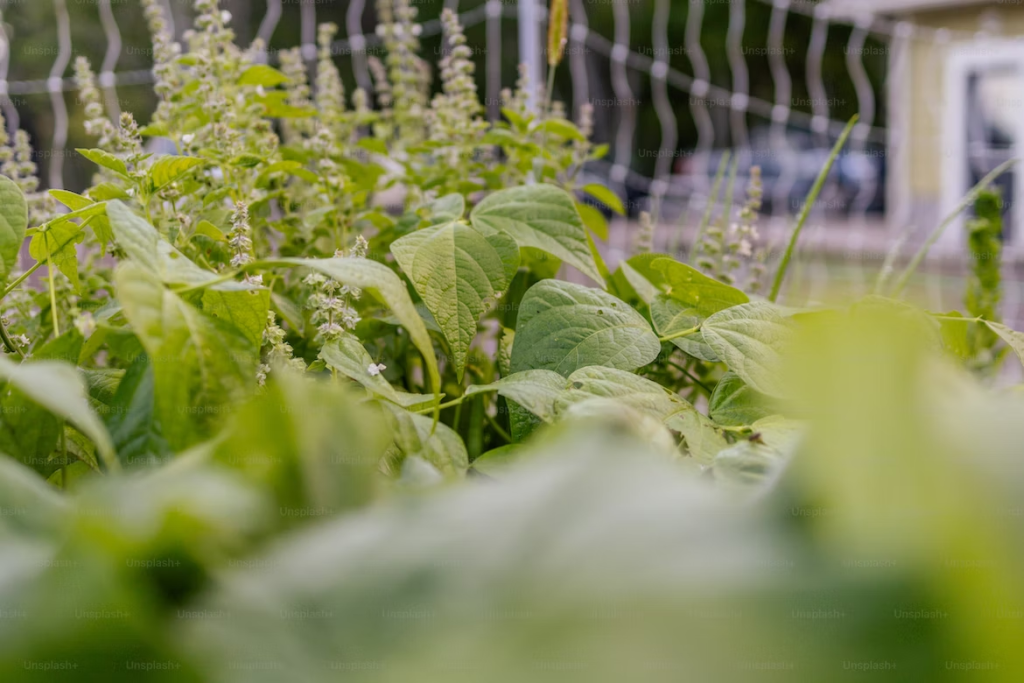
(240, 339)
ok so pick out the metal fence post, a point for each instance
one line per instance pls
(529, 48)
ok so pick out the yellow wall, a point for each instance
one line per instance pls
(927, 74)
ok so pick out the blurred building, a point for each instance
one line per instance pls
(956, 94)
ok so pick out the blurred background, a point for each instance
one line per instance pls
(673, 83)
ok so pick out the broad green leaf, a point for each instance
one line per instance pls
(40, 509)
(245, 310)
(561, 128)
(56, 244)
(540, 216)
(602, 267)
(30, 433)
(308, 443)
(376, 277)
(954, 334)
(418, 436)
(576, 528)
(606, 197)
(735, 404)
(71, 200)
(696, 290)
(201, 365)
(208, 229)
(446, 209)
(293, 168)
(77, 203)
(106, 160)
(246, 161)
(745, 464)
(262, 74)
(593, 219)
(144, 246)
(103, 192)
(170, 168)
(749, 338)
(134, 426)
(672, 317)
(1013, 338)
(13, 223)
(534, 390)
(635, 276)
(135, 235)
(777, 432)
(60, 389)
(348, 356)
(702, 439)
(174, 268)
(541, 264)
(102, 384)
(498, 461)
(637, 392)
(459, 273)
(565, 327)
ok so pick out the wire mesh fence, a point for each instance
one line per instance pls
(674, 82)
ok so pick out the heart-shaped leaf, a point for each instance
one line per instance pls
(696, 290)
(750, 339)
(565, 327)
(540, 216)
(13, 223)
(458, 272)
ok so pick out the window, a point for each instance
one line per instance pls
(984, 127)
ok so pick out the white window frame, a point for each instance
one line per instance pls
(962, 59)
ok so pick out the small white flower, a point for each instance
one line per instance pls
(376, 368)
(187, 138)
(225, 16)
(85, 324)
(260, 91)
(744, 249)
(253, 280)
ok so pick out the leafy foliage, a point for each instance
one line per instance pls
(250, 360)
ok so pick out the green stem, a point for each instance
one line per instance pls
(441, 406)
(716, 188)
(890, 263)
(937, 233)
(39, 264)
(9, 343)
(53, 296)
(806, 210)
(494, 424)
(24, 276)
(677, 335)
(692, 377)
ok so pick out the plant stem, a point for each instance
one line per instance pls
(806, 210)
(501, 432)
(676, 335)
(24, 276)
(53, 296)
(716, 188)
(441, 406)
(38, 264)
(890, 262)
(8, 342)
(937, 233)
(692, 377)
